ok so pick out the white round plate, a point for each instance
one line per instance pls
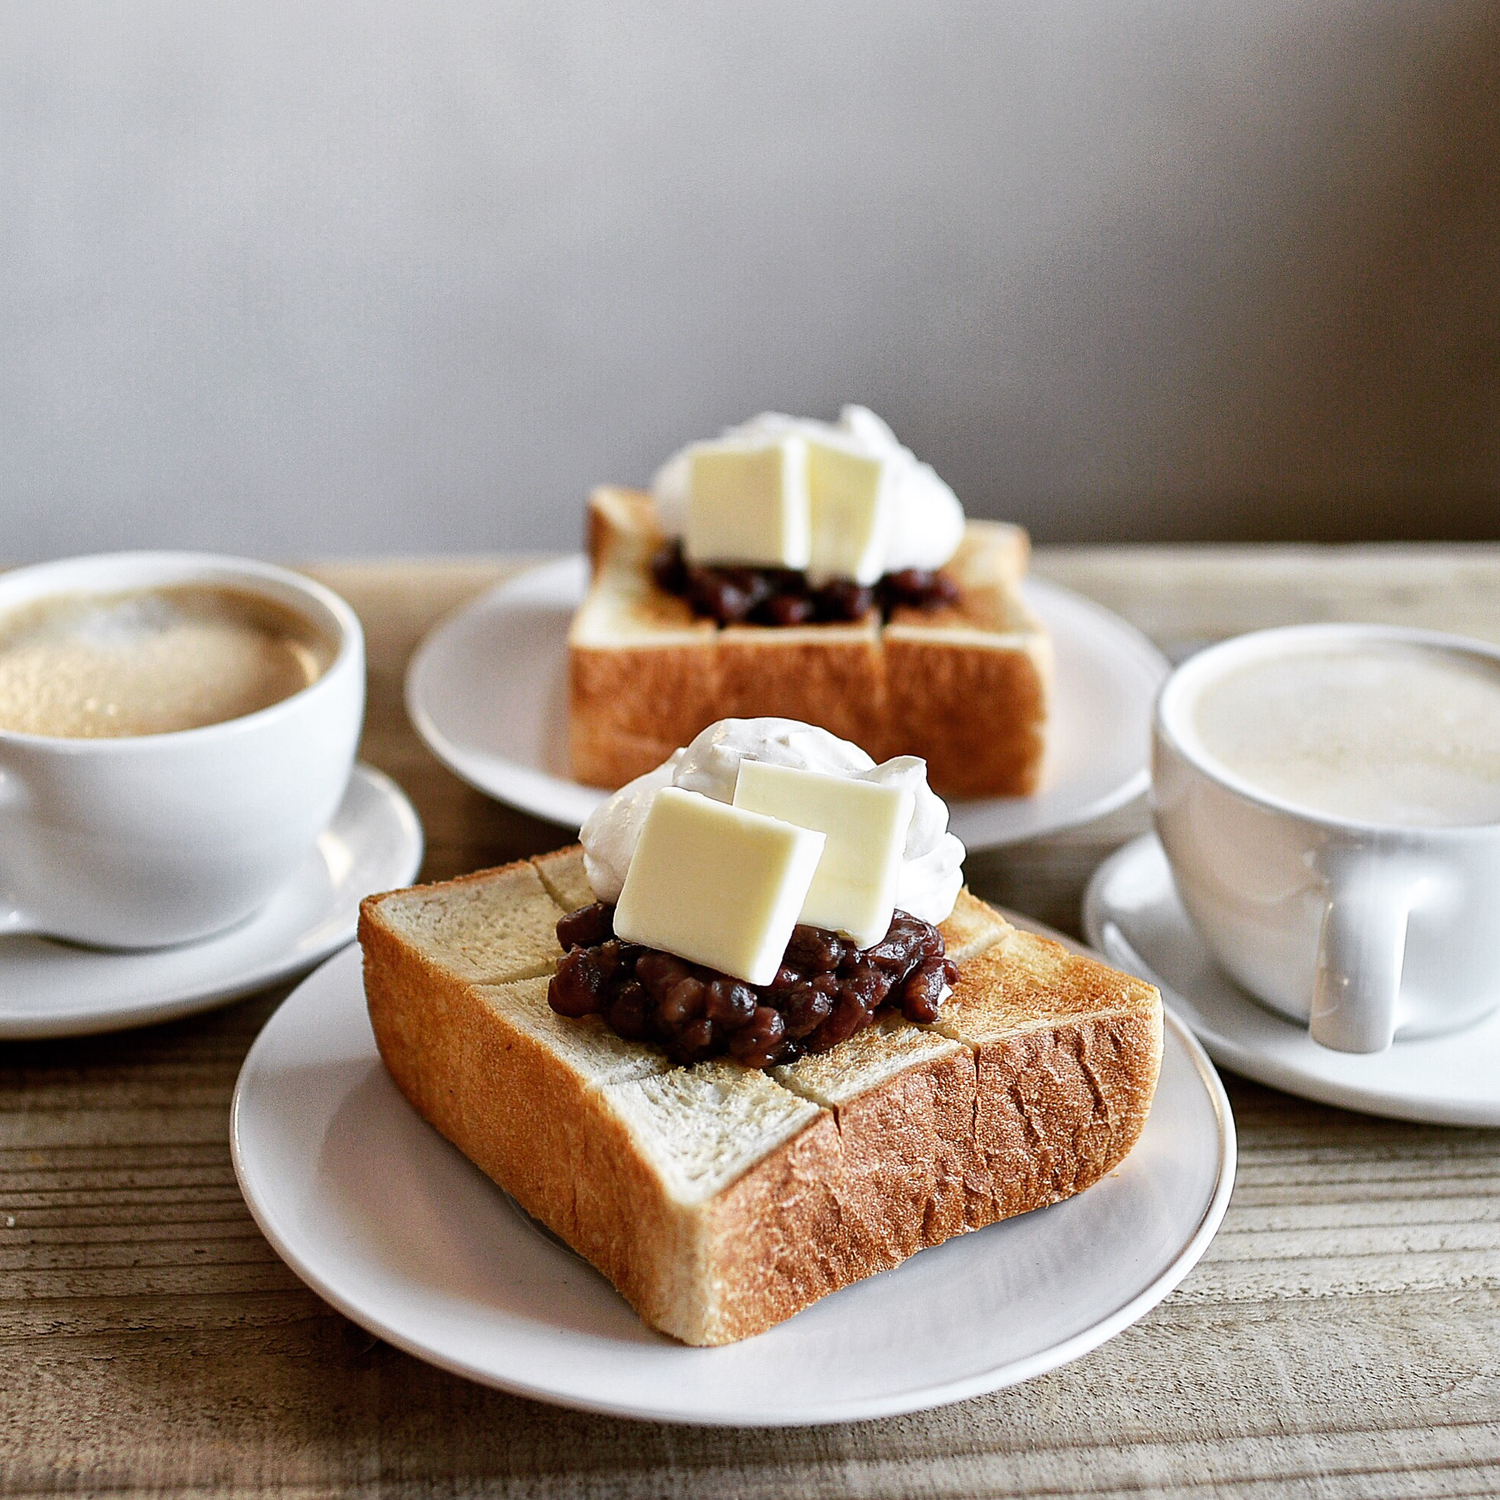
(487, 691)
(389, 1223)
(57, 989)
(1132, 914)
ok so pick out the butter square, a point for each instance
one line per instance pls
(850, 513)
(854, 889)
(747, 503)
(717, 885)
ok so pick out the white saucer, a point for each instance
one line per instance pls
(389, 1223)
(56, 989)
(487, 691)
(1132, 914)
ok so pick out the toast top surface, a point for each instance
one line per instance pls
(493, 935)
(972, 926)
(622, 526)
(868, 1059)
(1025, 982)
(587, 1047)
(625, 608)
(623, 604)
(703, 1127)
(488, 928)
(564, 876)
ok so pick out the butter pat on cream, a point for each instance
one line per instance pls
(865, 824)
(717, 885)
(870, 506)
(748, 503)
(850, 510)
(931, 866)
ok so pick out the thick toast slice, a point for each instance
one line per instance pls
(721, 1200)
(966, 688)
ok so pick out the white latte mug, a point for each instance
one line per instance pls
(143, 841)
(1365, 932)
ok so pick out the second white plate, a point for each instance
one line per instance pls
(487, 691)
(389, 1223)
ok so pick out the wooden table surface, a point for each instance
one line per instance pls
(1340, 1337)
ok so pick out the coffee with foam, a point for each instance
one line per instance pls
(1375, 731)
(151, 661)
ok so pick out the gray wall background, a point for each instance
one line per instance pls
(317, 279)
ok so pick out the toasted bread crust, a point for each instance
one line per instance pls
(966, 689)
(524, 1118)
(996, 748)
(631, 709)
(1048, 1089)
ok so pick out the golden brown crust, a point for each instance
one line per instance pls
(1068, 1052)
(994, 749)
(1060, 1107)
(521, 1115)
(965, 688)
(630, 709)
(784, 671)
(757, 1232)
(944, 1148)
(437, 1040)
(1047, 1089)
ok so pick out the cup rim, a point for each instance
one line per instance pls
(213, 567)
(1259, 643)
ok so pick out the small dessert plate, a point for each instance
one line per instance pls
(1132, 914)
(57, 989)
(394, 1227)
(487, 691)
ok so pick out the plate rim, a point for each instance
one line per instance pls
(192, 999)
(454, 757)
(1420, 1109)
(910, 1399)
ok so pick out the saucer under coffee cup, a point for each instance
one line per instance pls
(1351, 884)
(191, 821)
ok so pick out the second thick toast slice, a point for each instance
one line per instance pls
(964, 687)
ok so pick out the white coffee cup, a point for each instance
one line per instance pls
(1367, 931)
(154, 839)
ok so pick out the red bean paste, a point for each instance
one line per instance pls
(783, 596)
(826, 990)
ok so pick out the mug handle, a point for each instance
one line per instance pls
(1361, 949)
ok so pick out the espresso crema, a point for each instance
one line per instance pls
(151, 661)
(1378, 732)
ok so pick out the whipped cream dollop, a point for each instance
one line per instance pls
(931, 867)
(927, 523)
